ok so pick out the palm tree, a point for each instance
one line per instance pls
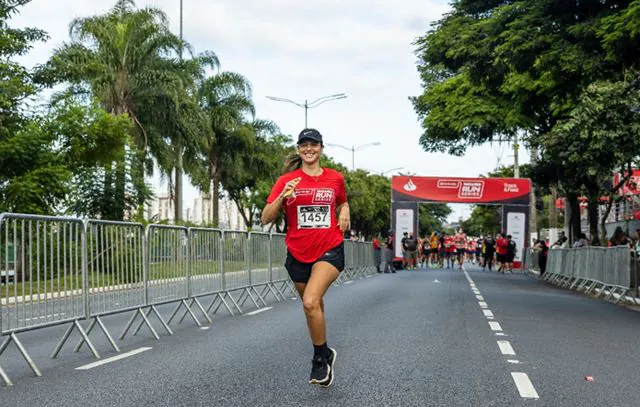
(127, 60)
(226, 100)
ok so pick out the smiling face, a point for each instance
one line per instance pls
(309, 151)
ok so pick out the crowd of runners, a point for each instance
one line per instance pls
(444, 250)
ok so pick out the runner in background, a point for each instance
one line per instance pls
(441, 249)
(377, 252)
(460, 240)
(389, 253)
(472, 251)
(412, 251)
(433, 244)
(315, 204)
(489, 251)
(450, 250)
(426, 251)
(479, 249)
(501, 251)
(405, 253)
(511, 253)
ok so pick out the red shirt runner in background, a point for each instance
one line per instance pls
(449, 244)
(501, 245)
(311, 213)
(376, 244)
(461, 240)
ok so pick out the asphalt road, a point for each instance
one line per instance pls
(419, 338)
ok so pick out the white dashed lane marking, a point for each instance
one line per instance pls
(487, 313)
(495, 326)
(506, 348)
(479, 298)
(258, 311)
(113, 359)
(524, 385)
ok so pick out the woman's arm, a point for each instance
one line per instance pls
(270, 211)
(344, 217)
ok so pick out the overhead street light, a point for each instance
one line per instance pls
(309, 105)
(353, 150)
(393, 169)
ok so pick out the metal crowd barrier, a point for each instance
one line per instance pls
(602, 271)
(68, 270)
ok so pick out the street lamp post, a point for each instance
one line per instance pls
(309, 105)
(353, 150)
(393, 169)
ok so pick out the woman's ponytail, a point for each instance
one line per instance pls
(292, 162)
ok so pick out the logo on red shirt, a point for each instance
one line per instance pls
(323, 195)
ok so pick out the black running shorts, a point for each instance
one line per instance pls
(301, 272)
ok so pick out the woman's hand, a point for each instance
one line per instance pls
(290, 187)
(344, 218)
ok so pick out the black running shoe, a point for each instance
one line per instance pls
(320, 370)
(331, 360)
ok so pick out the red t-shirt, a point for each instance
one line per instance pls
(449, 244)
(311, 212)
(461, 240)
(501, 246)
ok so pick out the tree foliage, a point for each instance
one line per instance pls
(493, 68)
(126, 59)
(33, 174)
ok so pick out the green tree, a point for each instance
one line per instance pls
(89, 139)
(432, 217)
(226, 101)
(484, 220)
(600, 136)
(369, 202)
(249, 180)
(126, 60)
(33, 174)
(487, 73)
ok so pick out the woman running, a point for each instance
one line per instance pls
(315, 203)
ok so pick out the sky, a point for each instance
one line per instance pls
(307, 49)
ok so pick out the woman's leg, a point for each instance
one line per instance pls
(300, 288)
(323, 275)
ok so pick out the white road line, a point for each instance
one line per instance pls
(204, 328)
(369, 276)
(495, 326)
(500, 334)
(349, 282)
(480, 298)
(515, 362)
(487, 313)
(258, 311)
(113, 359)
(524, 385)
(506, 348)
(482, 304)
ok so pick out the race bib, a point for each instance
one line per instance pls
(314, 217)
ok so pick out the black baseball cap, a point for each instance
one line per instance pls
(310, 134)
